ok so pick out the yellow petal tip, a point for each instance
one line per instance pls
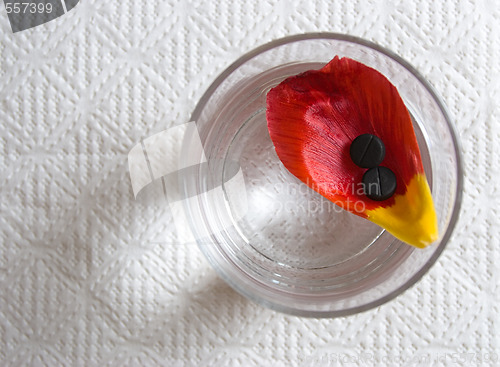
(412, 218)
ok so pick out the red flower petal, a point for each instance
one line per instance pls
(313, 118)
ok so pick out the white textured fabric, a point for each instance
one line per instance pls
(91, 277)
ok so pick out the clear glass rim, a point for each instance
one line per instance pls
(459, 167)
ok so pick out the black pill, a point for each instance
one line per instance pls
(379, 183)
(367, 151)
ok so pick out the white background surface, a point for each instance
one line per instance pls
(89, 276)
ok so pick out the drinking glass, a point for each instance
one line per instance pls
(267, 234)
